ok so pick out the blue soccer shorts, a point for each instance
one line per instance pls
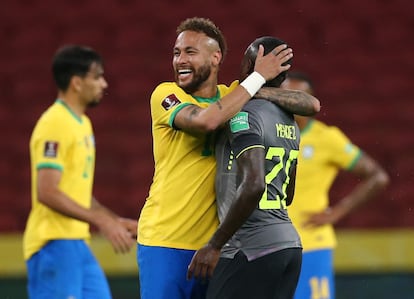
(163, 274)
(66, 269)
(316, 279)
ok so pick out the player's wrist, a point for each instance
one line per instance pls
(219, 238)
(253, 83)
(214, 245)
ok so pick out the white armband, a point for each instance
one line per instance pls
(253, 83)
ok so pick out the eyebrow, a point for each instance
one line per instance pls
(186, 48)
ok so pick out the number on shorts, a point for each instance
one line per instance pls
(319, 287)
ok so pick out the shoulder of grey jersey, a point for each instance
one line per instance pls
(272, 117)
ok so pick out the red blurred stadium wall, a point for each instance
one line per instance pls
(359, 53)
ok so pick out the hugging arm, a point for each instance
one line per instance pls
(295, 101)
(196, 119)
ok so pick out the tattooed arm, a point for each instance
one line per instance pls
(193, 119)
(196, 119)
(294, 101)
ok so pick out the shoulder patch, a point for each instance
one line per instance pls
(170, 101)
(51, 148)
(240, 122)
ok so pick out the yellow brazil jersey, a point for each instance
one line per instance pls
(63, 141)
(324, 150)
(180, 210)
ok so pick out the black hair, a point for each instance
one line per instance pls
(72, 60)
(269, 43)
(207, 27)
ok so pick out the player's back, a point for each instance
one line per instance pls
(279, 135)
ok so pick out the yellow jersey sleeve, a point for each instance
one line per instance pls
(344, 153)
(50, 146)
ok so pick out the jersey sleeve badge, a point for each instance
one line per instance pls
(240, 122)
(51, 148)
(170, 101)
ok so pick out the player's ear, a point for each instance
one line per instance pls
(217, 57)
(76, 83)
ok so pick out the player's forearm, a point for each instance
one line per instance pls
(194, 118)
(96, 205)
(224, 109)
(239, 212)
(366, 190)
(58, 201)
(251, 171)
(294, 101)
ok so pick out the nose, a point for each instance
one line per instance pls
(180, 58)
(104, 83)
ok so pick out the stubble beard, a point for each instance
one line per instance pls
(93, 103)
(200, 76)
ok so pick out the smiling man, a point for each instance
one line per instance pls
(180, 215)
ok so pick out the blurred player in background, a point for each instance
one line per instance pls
(256, 155)
(59, 261)
(324, 151)
(180, 214)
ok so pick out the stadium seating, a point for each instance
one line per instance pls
(359, 54)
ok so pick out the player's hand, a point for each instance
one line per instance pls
(328, 216)
(115, 231)
(203, 263)
(131, 225)
(271, 65)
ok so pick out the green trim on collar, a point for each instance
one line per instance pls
(208, 100)
(79, 119)
(307, 127)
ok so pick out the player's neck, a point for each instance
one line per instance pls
(207, 90)
(73, 103)
(302, 121)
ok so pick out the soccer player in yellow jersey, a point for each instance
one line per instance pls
(179, 215)
(324, 151)
(59, 261)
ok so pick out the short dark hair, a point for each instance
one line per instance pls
(72, 60)
(207, 27)
(269, 43)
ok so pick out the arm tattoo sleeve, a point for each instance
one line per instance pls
(193, 113)
(294, 101)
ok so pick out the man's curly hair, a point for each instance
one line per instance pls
(207, 27)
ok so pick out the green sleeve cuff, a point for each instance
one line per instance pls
(49, 165)
(178, 109)
(355, 160)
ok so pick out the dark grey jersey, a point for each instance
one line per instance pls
(260, 124)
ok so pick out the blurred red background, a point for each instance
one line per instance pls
(359, 54)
